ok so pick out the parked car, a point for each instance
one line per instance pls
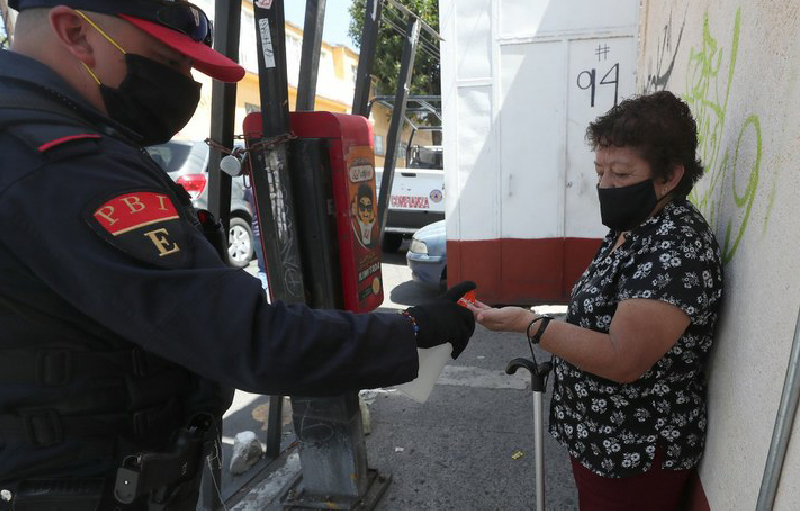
(427, 255)
(186, 162)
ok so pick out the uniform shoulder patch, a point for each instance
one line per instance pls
(144, 224)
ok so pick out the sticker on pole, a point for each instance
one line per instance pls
(263, 4)
(266, 43)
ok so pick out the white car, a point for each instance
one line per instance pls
(417, 200)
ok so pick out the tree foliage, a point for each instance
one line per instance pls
(425, 77)
(6, 25)
(3, 34)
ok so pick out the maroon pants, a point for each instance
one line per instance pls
(655, 490)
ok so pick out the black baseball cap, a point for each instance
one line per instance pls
(179, 24)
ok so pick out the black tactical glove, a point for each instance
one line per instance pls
(443, 320)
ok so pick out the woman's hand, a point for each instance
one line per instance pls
(506, 319)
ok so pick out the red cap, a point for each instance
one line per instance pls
(206, 59)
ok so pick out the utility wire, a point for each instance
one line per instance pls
(422, 45)
(405, 10)
(399, 21)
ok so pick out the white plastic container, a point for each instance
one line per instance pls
(431, 364)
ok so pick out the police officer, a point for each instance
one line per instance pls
(121, 328)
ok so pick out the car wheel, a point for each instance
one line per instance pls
(240, 242)
(391, 242)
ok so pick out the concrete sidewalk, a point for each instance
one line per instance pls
(456, 451)
(469, 447)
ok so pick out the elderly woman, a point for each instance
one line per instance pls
(629, 398)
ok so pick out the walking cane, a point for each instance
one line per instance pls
(539, 374)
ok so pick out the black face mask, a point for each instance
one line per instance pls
(153, 100)
(626, 207)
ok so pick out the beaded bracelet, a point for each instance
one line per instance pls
(413, 323)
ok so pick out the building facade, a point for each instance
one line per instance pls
(334, 93)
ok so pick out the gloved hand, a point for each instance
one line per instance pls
(443, 320)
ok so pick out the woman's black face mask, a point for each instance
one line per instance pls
(154, 100)
(626, 207)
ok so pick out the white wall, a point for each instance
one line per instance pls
(521, 79)
(737, 64)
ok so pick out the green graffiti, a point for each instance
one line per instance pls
(708, 90)
(745, 201)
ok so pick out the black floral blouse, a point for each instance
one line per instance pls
(612, 428)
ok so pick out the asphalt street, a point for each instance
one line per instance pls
(469, 447)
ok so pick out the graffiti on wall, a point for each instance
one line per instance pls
(731, 163)
(659, 73)
(731, 166)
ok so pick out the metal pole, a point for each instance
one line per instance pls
(784, 422)
(309, 61)
(366, 57)
(398, 115)
(538, 426)
(223, 106)
(223, 111)
(271, 185)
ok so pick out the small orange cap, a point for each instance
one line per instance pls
(469, 296)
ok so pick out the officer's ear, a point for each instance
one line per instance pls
(73, 33)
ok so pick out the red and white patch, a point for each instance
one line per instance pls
(135, 210)
(144, 224)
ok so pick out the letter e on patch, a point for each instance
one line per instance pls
(143, 224)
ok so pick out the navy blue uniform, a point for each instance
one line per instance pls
(100, 256)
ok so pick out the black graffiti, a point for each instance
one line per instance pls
(602, 51)
(666, 53)
(588, 80)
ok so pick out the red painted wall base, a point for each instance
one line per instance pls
(521, 271)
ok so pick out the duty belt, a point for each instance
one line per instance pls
(155, 480)
(45, 495)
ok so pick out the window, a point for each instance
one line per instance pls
(171, 156)
(248, 54)
(294, 53)
(379, 149)
(325, 72)
(249, 108)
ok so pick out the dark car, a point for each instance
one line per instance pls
(186, 162)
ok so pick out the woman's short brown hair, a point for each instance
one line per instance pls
(661, 127)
